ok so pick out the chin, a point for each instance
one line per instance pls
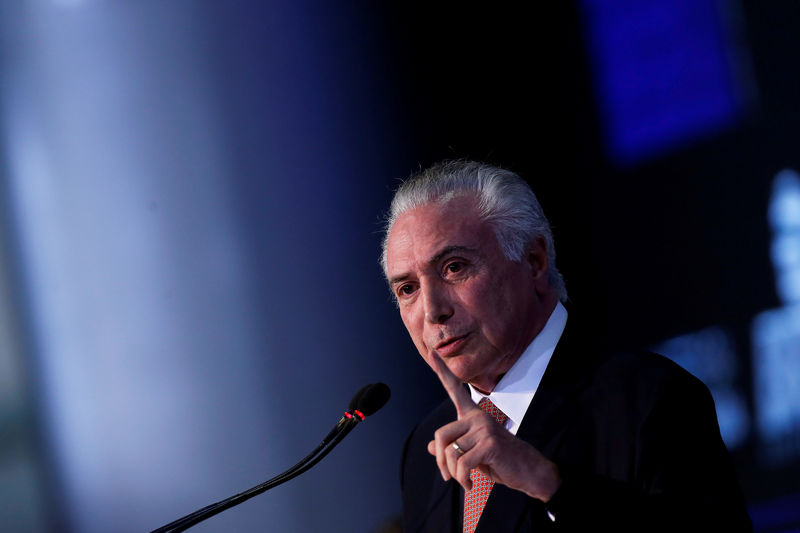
(462, 367)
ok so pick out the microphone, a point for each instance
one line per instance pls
(366, 402)
(371, 398)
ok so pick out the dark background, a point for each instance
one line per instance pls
(192, 200)
(674, 242)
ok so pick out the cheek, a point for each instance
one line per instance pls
(493, 305)
(413, 326)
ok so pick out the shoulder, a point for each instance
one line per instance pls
(642, 370)
(647, 386)
(634, 371)
(640, 365)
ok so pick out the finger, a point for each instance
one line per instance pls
(441, 458)
(454, 468)
(458, 394)
(452, 461)
(443, 446)
(447, 457)
(466, 463)
(433, 450)
(448, 433)
(452, 457)
(473, 454)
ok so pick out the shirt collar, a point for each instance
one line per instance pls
(516, 388)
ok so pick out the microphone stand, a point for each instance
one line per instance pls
(366, 402)
(342, 428)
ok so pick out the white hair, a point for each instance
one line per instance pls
(504, 200)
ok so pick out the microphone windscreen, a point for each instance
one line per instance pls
(357, 397)
(372, 397)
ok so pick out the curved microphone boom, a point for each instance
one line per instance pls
(365, 403)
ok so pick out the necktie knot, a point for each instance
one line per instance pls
(492, 410)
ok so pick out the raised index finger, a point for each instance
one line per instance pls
(458, 394)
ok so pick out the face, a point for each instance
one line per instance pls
(460, 296)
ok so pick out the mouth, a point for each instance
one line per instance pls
(450, 346)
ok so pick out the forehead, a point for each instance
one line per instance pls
(419, 234)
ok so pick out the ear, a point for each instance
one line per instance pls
(537, 262)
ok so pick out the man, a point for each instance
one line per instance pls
(620, 442)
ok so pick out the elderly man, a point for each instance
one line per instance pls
(544, 436)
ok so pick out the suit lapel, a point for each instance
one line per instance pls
(555, 404)
(443, 511)
(548, 417)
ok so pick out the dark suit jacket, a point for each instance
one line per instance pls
(636, 440)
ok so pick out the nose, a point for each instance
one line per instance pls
(438, 305)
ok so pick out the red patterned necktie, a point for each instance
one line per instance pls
(475, 499)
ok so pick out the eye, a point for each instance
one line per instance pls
(405, 290)
(454, 267)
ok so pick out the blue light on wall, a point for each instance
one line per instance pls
(776, 332)
(710, 355)
(194, 189)
(665, 72)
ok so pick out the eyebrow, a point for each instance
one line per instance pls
(447, 250)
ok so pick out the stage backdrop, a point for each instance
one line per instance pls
(192, 196)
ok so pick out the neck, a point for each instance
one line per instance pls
(486, 384)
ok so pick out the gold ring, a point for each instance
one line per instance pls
(458, 449)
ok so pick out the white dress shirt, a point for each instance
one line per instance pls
(515, 390)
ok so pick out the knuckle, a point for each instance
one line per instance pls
(490, 456)
(441, 460)
(463, 472)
